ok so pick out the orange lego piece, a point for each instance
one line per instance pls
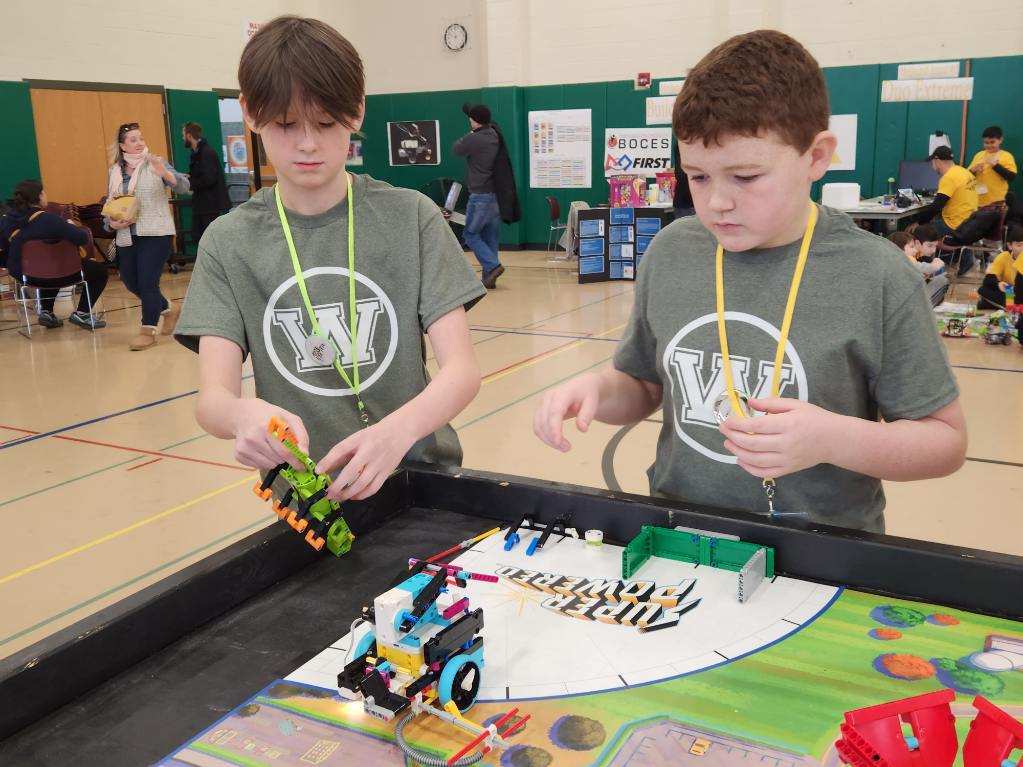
(281, 511)
(261, 493)
(299, 524)
(314, 541)
(281, 431)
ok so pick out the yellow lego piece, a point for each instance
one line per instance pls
(452, 709)
(404, 661)
(699, 747)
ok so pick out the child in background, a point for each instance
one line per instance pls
(1003, 272)
(933, 272)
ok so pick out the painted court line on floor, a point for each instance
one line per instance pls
(124, 530)
(133, 581)
(147, 463)
(529, 362)
(536, 334)
(523, 398)
(91, 421)
(93, 473)
(138, 450)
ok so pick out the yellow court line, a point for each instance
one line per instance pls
(122, 531)
(544, 357)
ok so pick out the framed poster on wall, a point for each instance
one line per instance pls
(414, 142)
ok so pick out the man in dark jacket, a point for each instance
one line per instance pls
(206, 175)
(482, 213)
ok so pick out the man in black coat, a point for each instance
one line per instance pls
(206, 175)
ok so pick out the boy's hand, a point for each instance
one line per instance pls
(794, 435)
(253, 444)
(368, 456)
(576, 399)
(978, 168)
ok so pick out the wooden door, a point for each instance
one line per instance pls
(75, 129)
(146, 109)
(69, 135)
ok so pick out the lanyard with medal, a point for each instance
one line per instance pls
(320, 346)
(731, 401)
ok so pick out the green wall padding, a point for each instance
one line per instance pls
(886, 133)
(19, 158)
(202, 107)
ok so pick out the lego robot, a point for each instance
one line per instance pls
(316, 515)
(424, 658)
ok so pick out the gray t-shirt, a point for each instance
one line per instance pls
(410, 271)
(862, 343)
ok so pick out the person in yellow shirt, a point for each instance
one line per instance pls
(1003, 272)
(957, 203)
(993, 168)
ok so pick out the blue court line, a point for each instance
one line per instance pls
(91, 421)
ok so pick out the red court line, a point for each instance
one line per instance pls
(139, 466)
(535, 356)
(135, 450)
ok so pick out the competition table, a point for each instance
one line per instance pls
(852, 619)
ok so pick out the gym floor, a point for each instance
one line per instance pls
(110, 485)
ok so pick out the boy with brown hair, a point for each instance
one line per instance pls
(762, 393)
(329, 281)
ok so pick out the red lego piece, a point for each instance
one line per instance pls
(993, 736)
(873, 737)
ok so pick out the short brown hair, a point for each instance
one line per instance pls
(902, 239)
(193, 129)
(293, 56)
(751, 83)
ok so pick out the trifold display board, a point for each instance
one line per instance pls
(612, 241)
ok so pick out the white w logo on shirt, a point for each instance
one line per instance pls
(334, 325)
(693, 388)
(697, 394)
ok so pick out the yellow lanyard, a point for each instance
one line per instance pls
(353, 317)
(786, 324)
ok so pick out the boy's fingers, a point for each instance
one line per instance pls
(276, 448)
(750, 458)
(757, 443)
(354, 482)
(587, 410)
(775, 404)
(765, 424)
(339, 454)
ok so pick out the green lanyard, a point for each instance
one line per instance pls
(321, 342)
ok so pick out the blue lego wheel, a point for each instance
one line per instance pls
(459, 682)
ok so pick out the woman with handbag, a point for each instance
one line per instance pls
(137, 209)
(28, 220)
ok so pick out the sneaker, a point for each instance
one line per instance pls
(87, 321)
(50, 320)
(490, 278)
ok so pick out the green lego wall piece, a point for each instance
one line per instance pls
(722, 553)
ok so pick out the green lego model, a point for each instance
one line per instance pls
(317, 516)
(682, 546)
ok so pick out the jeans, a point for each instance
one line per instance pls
(95, 277)
(483, 229)
(141, 265)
